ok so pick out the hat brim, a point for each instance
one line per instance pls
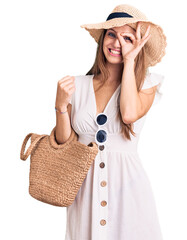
(154, 47)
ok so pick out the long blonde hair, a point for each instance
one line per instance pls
(99, 67)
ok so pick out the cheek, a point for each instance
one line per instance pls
(105, 45)
(106, 42)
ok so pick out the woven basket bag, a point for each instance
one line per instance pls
(57, 171)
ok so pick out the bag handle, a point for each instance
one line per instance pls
(29, 150)
(52, 140)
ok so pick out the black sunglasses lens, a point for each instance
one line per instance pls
(101, 136)
(101, 119)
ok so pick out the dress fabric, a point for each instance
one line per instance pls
(115, 201)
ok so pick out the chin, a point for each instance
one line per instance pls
(114, 61)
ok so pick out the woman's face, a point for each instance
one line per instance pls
(111, 42)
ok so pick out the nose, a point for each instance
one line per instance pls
(116, 43)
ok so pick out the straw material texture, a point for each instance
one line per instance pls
(57, 171)
(154, 47)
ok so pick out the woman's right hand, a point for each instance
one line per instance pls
(65, 89)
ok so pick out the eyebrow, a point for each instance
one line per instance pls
(112, 29)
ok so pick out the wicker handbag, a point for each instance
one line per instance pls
(57, 171)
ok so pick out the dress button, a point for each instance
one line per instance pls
(103, 222)
(102, 165)
(101, 147)
(103, 183)
(103, 203)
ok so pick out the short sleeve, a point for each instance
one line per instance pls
(151, 80)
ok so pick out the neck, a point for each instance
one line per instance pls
(115, 71)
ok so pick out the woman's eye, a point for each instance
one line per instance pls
(128, 38)
(111, 34)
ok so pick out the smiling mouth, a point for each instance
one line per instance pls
(113, 52)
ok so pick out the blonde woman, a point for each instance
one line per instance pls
(108, 105)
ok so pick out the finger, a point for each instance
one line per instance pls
(66, 78)
(121, 39)
(147, 32)
(128, 33)
(138, 34)
(132, 37)
(145, 40)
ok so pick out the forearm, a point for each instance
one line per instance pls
(63, 126)
(129, 98)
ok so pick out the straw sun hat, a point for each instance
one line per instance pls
(127, 14)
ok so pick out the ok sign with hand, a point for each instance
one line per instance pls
(137, 42)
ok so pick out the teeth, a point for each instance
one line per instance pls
(115, 52)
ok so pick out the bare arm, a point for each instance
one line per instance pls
(133, 105)
(65, 89)
(63, 125)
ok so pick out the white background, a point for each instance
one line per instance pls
(41, 42)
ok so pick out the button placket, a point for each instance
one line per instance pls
(103, 190)
(101, 139)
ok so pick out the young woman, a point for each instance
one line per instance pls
(108, 105)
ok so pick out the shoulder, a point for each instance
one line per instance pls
(82, 82)
(152, 79)
(82, 78)
(81, 87)
(155, 81)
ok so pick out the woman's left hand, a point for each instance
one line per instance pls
(137, 42)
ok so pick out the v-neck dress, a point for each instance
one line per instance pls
(115, 201)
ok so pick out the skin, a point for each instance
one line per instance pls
(115, 38)
(128, 41)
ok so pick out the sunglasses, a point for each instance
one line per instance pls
(101, 134)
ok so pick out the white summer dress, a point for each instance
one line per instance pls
(115, 201)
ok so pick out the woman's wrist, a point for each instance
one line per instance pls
(128, 60)
(129, 63)
(62, 109)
